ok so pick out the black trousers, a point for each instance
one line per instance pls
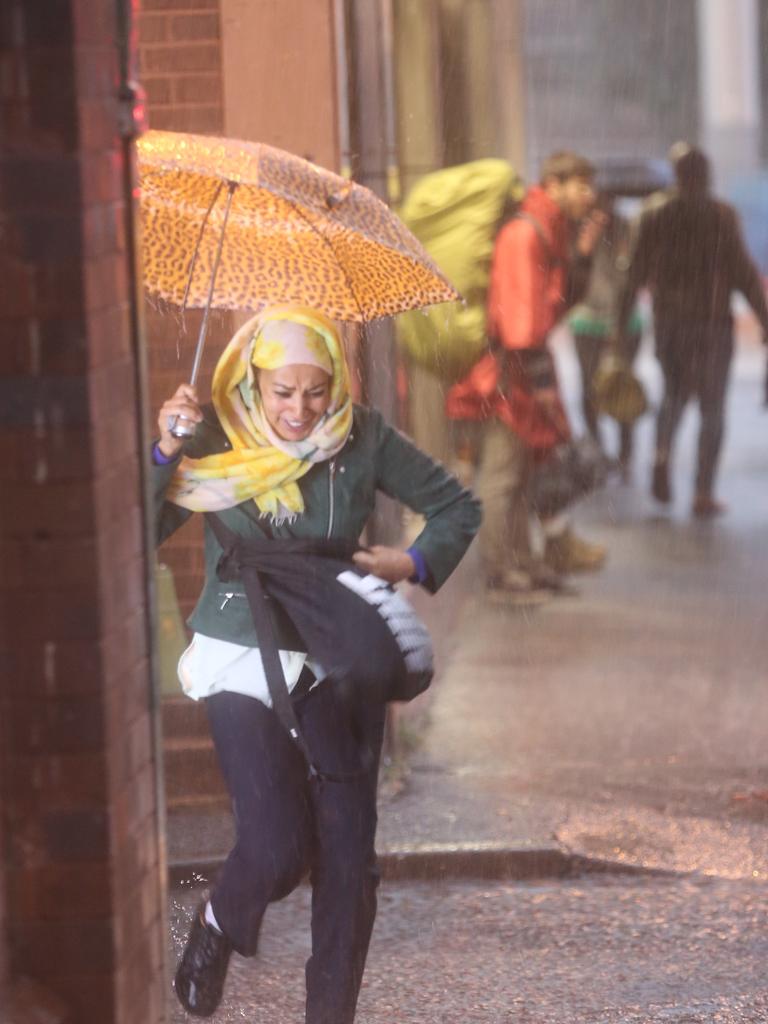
(287, 825)
(695, 359)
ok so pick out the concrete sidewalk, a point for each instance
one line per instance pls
(626, 725)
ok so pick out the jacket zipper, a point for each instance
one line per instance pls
(331, 475)
(228, 596)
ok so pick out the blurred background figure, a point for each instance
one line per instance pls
(593, 321)
(510, 401)
(623, 185)
(691, 255)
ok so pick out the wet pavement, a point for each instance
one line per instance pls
(627, 725)
(629, 722)
(596, 951)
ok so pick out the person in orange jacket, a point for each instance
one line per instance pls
(509, 401)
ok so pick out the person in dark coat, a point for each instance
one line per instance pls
(284, 454)
(691, 255)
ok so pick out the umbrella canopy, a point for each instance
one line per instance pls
(294, 233)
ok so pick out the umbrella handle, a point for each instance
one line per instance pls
(182, 427)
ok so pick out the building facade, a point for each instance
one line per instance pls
(386, 90)
(82, 894)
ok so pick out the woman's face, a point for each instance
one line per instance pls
(295, 399)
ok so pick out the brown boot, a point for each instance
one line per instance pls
(705, 507)
(568, 553)
(516, 588)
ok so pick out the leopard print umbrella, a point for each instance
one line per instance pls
(295, 233)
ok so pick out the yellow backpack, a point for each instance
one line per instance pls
(455, 213)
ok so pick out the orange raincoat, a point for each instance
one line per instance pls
(526, 298)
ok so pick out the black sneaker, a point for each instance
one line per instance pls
(199, 981)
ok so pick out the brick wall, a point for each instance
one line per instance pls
(180, 66)
(180, 55)
(167, 369)
(81, 864)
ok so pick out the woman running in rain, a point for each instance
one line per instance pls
(282, 454)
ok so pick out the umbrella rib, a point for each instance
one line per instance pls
(328, 242)
(196, 250)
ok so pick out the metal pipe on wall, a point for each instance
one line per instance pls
(343, 110)
(362, 54)
(392, 156)
(509, 87)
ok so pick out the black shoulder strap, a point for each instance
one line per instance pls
(265, 630)
(268, 646)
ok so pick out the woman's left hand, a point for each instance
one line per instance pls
(388, 564)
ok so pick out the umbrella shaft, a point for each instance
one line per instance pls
(182, 427)
(203, 333)
(201, 336)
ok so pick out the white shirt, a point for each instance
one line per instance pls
(209, 666)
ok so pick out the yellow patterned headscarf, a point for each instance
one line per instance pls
(261, 465)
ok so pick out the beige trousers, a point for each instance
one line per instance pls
(504, 464)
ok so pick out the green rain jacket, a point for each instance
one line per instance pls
(338, 497)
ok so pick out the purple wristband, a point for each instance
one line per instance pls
(422, 571)
(159, 459)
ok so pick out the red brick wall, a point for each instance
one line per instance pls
(183, 552)
(83, 874)
(4, 974)
(180, 66)
(180, 55)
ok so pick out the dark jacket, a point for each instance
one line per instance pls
(339, 498)
(691, 255)
(596, 314)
